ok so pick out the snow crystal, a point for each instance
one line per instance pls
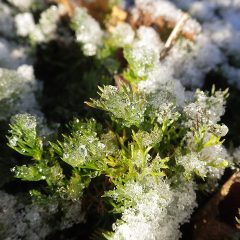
(158, 211)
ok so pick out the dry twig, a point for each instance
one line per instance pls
(173, 36)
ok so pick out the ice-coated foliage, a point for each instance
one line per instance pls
(153, 210)
(155, 143)
(208, 164)
(145, 159)
(83, 146)
(25, 139)
(203, 141)
(128, 106)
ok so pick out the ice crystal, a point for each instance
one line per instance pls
(75, 155)
(155, 211)
(24, 134)
(192, 163)
(84, 145)
(206, 110)
(128, 106)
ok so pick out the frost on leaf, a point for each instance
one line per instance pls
(83, 145)
(23, 136)
(128, 107)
